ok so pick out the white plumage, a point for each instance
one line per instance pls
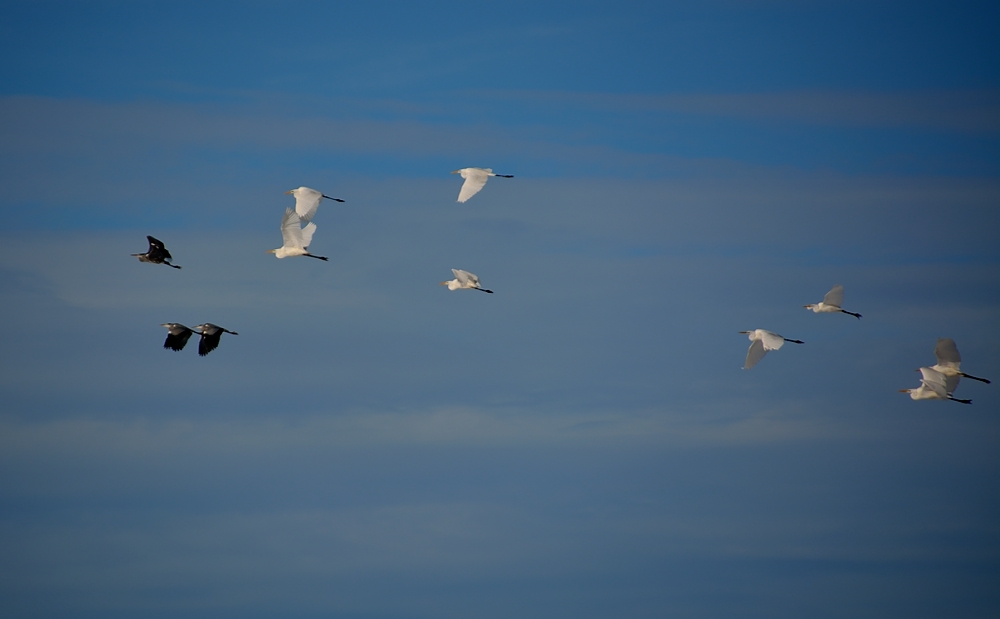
(935, 386)
(475, 179)
(307, 202)
(949, 361)
(296, 238)
(831, 303)
(762, 342)
(464, 280)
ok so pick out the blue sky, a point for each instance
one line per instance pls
(583, 442)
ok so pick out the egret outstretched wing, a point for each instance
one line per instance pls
(935, 381)
(754, 354)
(947, 353)
(465, 278)
(835, 297)
(292, 231)
(772, 341)
(475, 180)
(306, 202)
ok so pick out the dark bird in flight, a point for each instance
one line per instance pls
(177, 335)
(157, 254)
(210, 336)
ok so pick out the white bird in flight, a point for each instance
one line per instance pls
(464, 279)
(296, 238)
(307, 201)
(935, 386)
(761, 342)
(475, 179)
(210, 336)
(831, 303)
(949, 361)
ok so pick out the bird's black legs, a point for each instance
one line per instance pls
(957, 400)
(982, 380)
(793, 341)
(483, 290)
(858, 316)
(316, 257)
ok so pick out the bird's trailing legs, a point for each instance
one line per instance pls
(491, 292)
(982, 380)
(793, 341)
(957, 400)
(858, 316)
(316, 257)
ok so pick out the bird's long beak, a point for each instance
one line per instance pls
(270, 251)
(456, 171)
(904, 390)
(443, 284)
(288, 192)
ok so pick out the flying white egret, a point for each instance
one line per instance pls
(177, 335)
(935, 386)
(761, 342)
(464, 279)
(307, 201)
(948, 360)
(210, 336)
(475, 179)
(296, 238)
(157, 253)
(831, 303)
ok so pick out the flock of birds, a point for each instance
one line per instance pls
(938, 382)
(296, 239)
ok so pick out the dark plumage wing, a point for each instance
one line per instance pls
(209, 341)
(157, 251)
(177, 341)
(177, 335)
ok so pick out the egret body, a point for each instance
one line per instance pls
(464, 280)
(475, 179)
(831, 303)
(949, 361)
(307, 201)
(935, 386)
(296, 238)
(762, 342)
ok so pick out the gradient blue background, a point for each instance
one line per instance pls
(583, 443)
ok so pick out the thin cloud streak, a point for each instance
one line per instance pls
(969, 111)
